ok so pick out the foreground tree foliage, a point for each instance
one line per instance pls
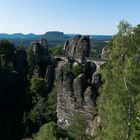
(119, 101)
(77, 128)
(75, 131)
(50, 131)
(42, 106)
(58, 50)
(47, 132)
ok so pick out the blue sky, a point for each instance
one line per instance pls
(69, 16)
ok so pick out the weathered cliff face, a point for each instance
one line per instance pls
(40, 49)
(78, 46)
(41, 56)
(44, 65)
(76, 94)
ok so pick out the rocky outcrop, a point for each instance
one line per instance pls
(40, 49)
(76, 94)
(41, 56)
(105, 53)
(79, 86)
(50, 74)
(64, 80)
(44, 64)
(89, 107)
(78, 46)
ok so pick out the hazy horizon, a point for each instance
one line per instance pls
(91, 17)
(54, 31)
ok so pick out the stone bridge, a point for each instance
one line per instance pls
(98, 62)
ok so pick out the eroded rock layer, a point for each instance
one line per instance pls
(78, 46)
(76, 93)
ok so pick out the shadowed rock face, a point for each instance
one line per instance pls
(40, 49)
(96, 79)
(50, 75)
(78, 46)
(21, 63)
(41, 56)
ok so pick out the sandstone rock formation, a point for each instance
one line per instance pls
(40, 49)
(41, 56)
(77, 82)
(76, 94)
(78, 46)
(105, 52)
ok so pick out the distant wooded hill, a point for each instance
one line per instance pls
(24, 39)
(49, 35)
(95, 37)
(55, 38)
